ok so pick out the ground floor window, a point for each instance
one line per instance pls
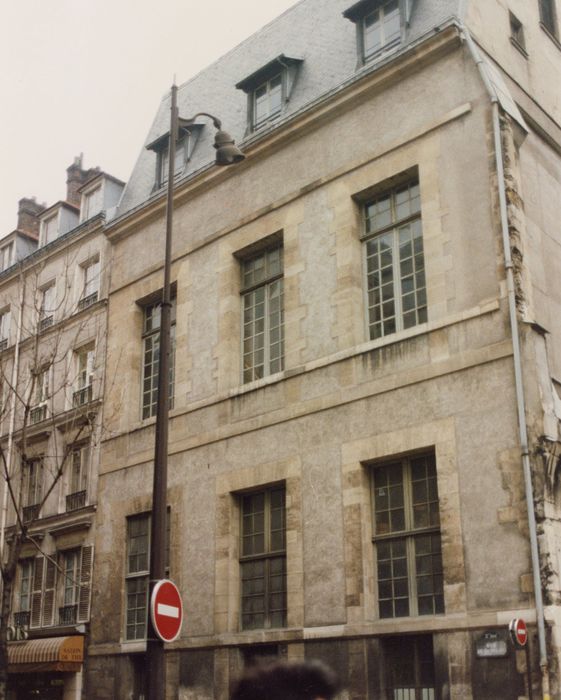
(409, 663)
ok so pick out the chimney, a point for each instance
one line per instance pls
(28, 216)
(75, 178)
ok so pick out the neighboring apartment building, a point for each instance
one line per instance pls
(347, 450)
(53, 320)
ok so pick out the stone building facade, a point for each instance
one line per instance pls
(364, 432)
(53, 304)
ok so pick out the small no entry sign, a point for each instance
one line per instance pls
(518, 631)
(166, 610)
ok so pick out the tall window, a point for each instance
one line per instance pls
(263, 314)
(84, 358)
(26, 577)
(395, 267)
(151, 358)
(90, 291)
(47, 307)
(6, 256)
(71, 587)
(50, 229)
(267, 100)
(409, 665)
(79, 467)
(181, 149)
(4, 329)
(548, 16)
(407, 538)
(263, 559)
(138, 564)
(92, 203)
(33, 481)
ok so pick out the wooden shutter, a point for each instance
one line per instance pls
(49, 593)
(85, 584)
(37, 592)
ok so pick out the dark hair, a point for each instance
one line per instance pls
(287, 681)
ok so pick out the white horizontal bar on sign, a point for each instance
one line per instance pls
(167, 610)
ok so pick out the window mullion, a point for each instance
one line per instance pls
(267, 331)
(410, 539)
(397, 281)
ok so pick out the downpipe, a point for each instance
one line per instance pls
(517, 361)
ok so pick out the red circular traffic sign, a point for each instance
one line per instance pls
(518, 631)
(166, 610)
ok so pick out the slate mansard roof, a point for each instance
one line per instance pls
(314, 31)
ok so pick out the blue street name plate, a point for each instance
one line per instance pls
(491, 645)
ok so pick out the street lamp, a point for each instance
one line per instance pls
(227, 153)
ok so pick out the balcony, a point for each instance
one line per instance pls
(82, 396)
(67, 615)
(37, 414)
(31, 512)
(87, 301)
(3, 344)
(75, 500)
(21, 618)
(45, 322)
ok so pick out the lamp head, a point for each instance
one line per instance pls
(227, 153)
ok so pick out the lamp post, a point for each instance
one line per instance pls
(226, 154)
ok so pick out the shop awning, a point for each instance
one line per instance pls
(50, 654)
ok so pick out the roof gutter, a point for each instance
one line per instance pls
(515, 334)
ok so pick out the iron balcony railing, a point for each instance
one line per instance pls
(87, 301)
(67, 615)
(82, 396)
(75, 500)
(31, 512)
(21, 618)
(37, 414)
(3, 344)
(45, 322)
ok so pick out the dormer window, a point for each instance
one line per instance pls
(92, 203)
(378, 25)
(50, 229)
(184, 147)
(6, 256)
(268, 90)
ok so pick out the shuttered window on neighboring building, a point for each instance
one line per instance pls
(47, 588)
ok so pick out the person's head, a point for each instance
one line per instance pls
(310, 680)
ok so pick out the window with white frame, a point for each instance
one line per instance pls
(6, 256)
(4, 328)
(517, 32)
(47, 307)
(32, 482)
(548, 16)
(25, 581)
(91, 279)
(395, 267)
(262, 314)
(137, 569)
(263, 559)
(49, 229)
(43, 592)
(40, 396)
(378, 24)
(151, 358)
(78, 481)
(84, 360)
(267, 100)
(92, 203)
(407, 537)
(181, 152)
(71, 587)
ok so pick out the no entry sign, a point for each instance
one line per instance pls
(518, 631)
(166, 610)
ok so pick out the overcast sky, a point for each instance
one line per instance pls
(86, 76)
